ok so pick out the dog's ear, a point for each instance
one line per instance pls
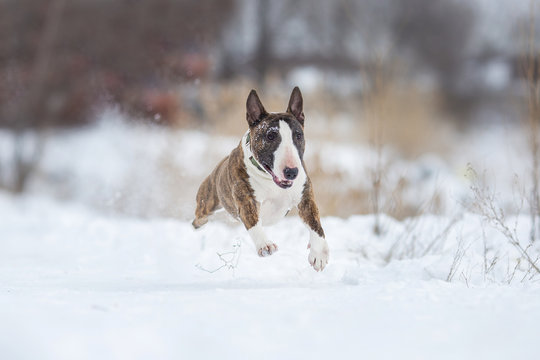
(255, 109)
(296, 104)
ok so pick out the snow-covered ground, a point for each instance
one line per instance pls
(75, 284)
(98, 259)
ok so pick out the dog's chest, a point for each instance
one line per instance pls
(275, 202)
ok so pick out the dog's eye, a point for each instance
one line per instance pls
(299, 136)
(271, 136)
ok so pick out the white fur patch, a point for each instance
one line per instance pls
(263, 246)
(318, 251)
(286, 155)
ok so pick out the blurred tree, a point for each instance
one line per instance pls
(264, 46)
(23, 112)
(435, 34)
(123, 51)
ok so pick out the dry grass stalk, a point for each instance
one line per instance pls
(458, 257)
(489, 262)
(375, 108)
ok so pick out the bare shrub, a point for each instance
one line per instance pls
(485, 203)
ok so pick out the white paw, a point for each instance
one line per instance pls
(318, 256)
(267, 249)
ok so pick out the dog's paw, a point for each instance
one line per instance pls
(318, 256)
(267, 249)
(198, 222)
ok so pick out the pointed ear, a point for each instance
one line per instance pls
(255, 109)
(296, 104)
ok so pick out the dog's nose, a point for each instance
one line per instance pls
(290, 173)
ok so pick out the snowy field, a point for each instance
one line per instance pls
(90, 271)
(78, 285)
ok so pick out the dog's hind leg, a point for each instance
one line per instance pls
(207, 202)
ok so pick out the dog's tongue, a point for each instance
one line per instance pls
(284, 184)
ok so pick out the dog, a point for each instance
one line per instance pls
(264, 177)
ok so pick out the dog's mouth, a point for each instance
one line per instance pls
(284, 184)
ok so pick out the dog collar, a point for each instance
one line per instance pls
(254, 161)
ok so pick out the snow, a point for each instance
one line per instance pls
(77, 284)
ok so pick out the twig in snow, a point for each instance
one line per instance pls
(229, 259)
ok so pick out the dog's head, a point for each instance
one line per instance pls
(277, 139)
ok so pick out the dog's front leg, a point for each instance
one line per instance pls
(248, 210)
(264, 246)
(308, 211)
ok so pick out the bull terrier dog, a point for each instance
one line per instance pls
(264, 177)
